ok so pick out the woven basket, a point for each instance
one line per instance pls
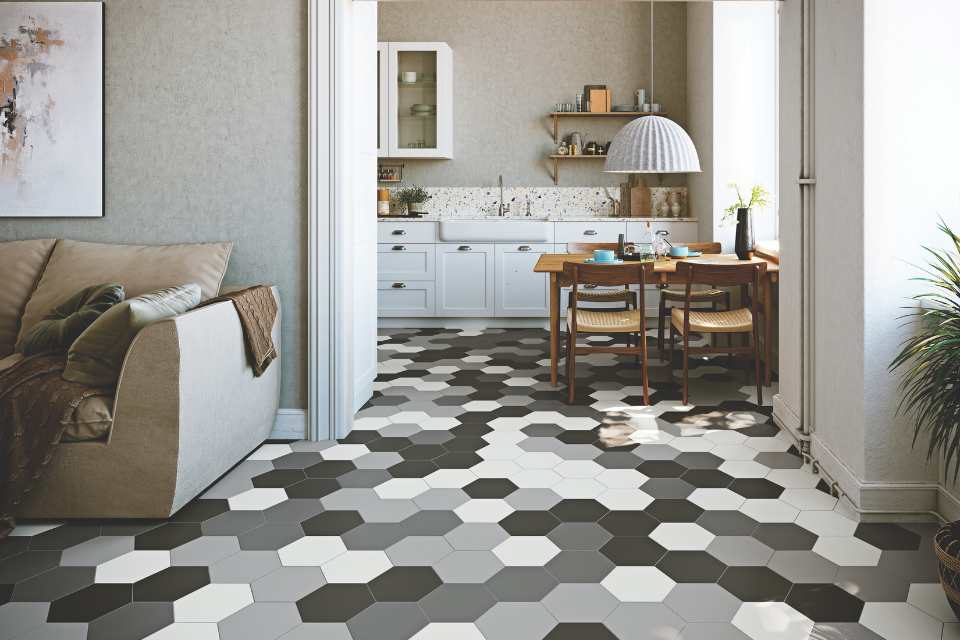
(946, 544)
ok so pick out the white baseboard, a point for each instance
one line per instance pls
(883, 501)
(363, 388)
(787, 419)
(291, 424)
(948, 505)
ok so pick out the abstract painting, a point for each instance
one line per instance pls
(51, 109)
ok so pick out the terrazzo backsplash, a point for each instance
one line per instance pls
(567, 202)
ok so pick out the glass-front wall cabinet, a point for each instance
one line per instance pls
(416, 100)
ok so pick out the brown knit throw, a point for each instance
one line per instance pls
(35, 404)
(257, 309)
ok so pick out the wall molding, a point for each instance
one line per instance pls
(884, 501)
(290, 424)
(363, 387)
(787, 419)
(463, 323)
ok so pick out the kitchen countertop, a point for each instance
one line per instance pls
(434, 218)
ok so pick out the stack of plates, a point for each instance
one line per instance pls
(423, 109)
(631, 108)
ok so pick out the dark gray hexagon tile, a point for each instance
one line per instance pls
(53, 584)
(132, 621)
(388, 621)
(457, 603)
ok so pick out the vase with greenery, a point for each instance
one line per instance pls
(929, 362)
(741, 209)
(413, 198)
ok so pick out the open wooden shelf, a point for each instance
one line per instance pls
(556, 115)
(580, 156)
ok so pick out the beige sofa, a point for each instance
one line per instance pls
(187, 405)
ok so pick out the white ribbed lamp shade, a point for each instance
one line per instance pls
(652, 144)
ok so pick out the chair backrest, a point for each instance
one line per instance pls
(608, 274)
(703, 247)
(588, 247)
(722, 275)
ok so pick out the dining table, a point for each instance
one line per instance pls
(665, 272)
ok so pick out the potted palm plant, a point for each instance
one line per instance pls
(930, 363)
(741, 209)
(413, 198)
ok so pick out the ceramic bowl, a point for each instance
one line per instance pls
(603, 255)
(679, 252)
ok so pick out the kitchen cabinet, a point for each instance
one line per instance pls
(406, 299)
(593, 231)
(406, 261)
(415, 100)
(465, 280)
(519, 292)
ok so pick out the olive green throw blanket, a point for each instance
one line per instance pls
(35, 401)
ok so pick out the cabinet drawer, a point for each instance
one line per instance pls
(409, 232)
(679, 231)
(405, 262)
(405, 298)
(600, 231)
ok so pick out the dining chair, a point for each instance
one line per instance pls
(591, 292)
(712, 295)
(731, 321)
(591, 321)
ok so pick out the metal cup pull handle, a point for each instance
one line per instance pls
(399, 232)
(590, 232)
(399, 247)
(524, 248)
(399, 285)
(464, 247)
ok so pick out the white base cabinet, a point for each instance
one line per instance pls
(521, 293)
(420, 277)
(465, 286)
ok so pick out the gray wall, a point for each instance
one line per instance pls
(699, 78)
(514, 60)
(205, 133)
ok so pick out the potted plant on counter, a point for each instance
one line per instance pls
(414, 199)
(930, 388)
(759, 197)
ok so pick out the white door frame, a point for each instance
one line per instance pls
(329, 405)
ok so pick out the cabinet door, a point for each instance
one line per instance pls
(465, 275)
(519, 291)
(383, 99)
(420, 109)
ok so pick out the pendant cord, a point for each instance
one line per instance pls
(651, 98)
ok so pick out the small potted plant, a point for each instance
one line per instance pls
(414, 199)
(759, 197)
(930, 387)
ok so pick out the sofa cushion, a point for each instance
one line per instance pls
(21, 262)
(60, 327)
(90, 420)
(139, 269)
(96, 357)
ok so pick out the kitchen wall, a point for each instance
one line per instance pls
(205, 139)
(514, 60)
(699, 77)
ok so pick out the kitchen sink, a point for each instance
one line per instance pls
(496, 229)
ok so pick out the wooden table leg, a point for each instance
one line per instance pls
(767, 331)
(554, 326)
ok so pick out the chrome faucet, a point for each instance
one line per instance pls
(504, 208)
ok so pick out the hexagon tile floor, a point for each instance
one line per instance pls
(472, 503)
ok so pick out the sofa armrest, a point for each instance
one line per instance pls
(187, 395)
